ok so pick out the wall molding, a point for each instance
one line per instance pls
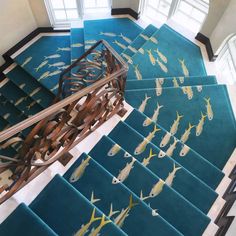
(206, 41)
(223, 220)
(123, 11)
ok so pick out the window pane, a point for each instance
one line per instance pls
(185, 7)
(57, 4)
(89, 3)
(60, 14)
(72, 14)
(198, 15)
(70, 3)
(153, 3)
(103, 3)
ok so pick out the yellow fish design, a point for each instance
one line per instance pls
(120, 219)
(134, 50)
(44, 63)
(175, 83)
(33, 103)
(77, 45)
(165, 140)
(151, 57)
(128, 58)
(184, 89)
(175, 125)
(27, 60)
(199, 127)
(114, 150)
(144, 104)
(124, 174)
(169, 180)
(96, 232)
(35, 91)
(64, 49)
(84, 228)
(44, 75)
(162, 57)
(157, 188)
(154, 40)
(93, 199)
(144, 37)
(57, 72)
(22, 86)
(184, 151)
(20, 100)
(54, 56)
(79, 171)
(154, 118)
(112, 213)
(119, 44)
(210, 114)
(142, 146)
(199, 88)
(181, 80)
(137, 73)
(189, 92)
(125, 38)
(162, 66)
(54, 88)
(141, 50)
(158, 87)
(126, 155)
(108, 34)
(184, 67)
(171, 149)
(185, 136)
(161, 154)
(147, 160)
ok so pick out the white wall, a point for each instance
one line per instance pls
(133, 4)
(16, 22)
(40, 13)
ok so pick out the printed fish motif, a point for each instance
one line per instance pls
(124, 174)
(144, 37)
(162, 66)
(90, 41)
(162, 57)
(141, 50)
(20, 100)
(169, 180)
(120, 219)
(184, 89)
(54, 56)
(22, 86)
(96, 232)
(63, 67)
(165, 140)
(185, 136)
(142, 146)
(189, 92)
(84, 228)
(57, 64)
(77, 45)
(157, 188)
(158, 87)
(114, 150)
(108, 34)
(199, 88)
(112, 213)
(175, 125)
(184, 67)
(128, 58)
(144, 104)
(137, 73)
(64, 49)
(35, 91)
(184, 151)
(27, 60)
(44, 63)
(57, 72)
(171, 149)
(154, 40)
(119, 44)
(181, 80)
(154, 117)
(54, 88)
(126, 155)
(6, 116)
(93, 199)
(199, 127)
(33, 103)
(147, 160)
(151, 57)
(79, 171)
(210, 114)
(161, 80)
(175, 83)
(134, 50)
(125, 38)
(161, 154)
(44, 75)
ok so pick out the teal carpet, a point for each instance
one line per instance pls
(157, 171)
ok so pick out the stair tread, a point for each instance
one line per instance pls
(201, 195)
(166, 82)
(23, 221)
(171, 206)
(172, 48)
(55, 50)
(96, 183)
(51, 205)
(192, 161)
(220, 140)
(111, 30)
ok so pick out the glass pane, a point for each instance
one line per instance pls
(198, 15)
(185, 7)
(70, 4)
(89, 3)
(57, 4)
(103, 3)
(153, 3)
(72, 14)
(60, 14)
(164, 8)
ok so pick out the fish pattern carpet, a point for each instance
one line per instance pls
(158, 171)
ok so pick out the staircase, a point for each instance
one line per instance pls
(160, 170)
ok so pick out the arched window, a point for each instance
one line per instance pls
(226, 61)
(189, 13)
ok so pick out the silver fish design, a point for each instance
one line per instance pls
(144, 103)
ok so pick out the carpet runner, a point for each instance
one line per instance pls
(157, 171)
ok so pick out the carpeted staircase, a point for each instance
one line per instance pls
(157, 172)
